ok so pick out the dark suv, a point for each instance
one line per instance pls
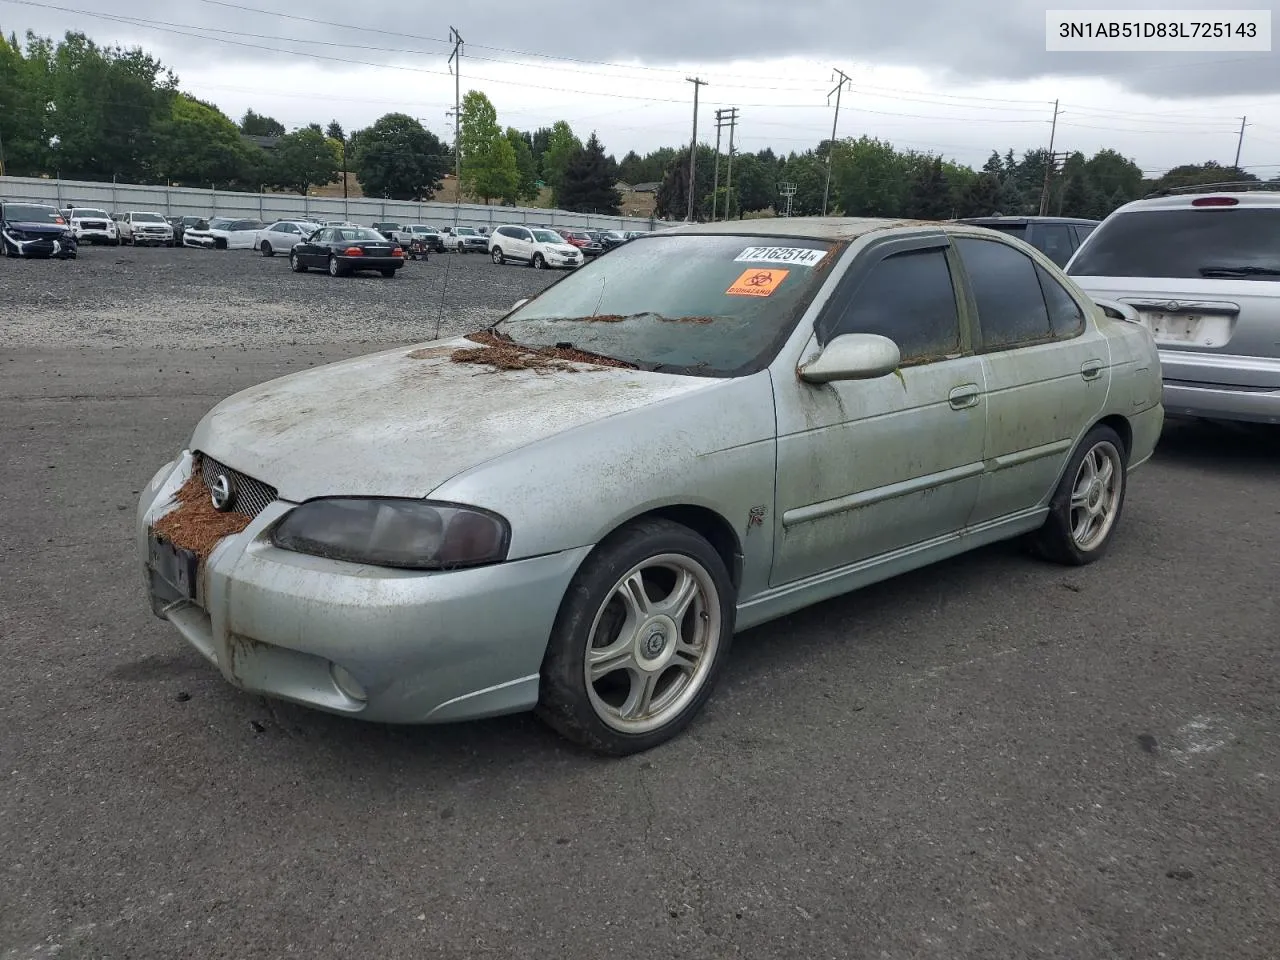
(35, 230)
(1056, 237)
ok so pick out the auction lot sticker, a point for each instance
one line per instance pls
(757, 283)
(801, 256)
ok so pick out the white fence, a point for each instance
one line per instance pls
(188, 202)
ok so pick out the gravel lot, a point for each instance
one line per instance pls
(158, 296)
(992, 757)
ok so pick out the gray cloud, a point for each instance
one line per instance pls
(959, 40)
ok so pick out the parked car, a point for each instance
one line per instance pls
(282, 236)
(1201, 269)
(1056, 237)
(612, 238)
(223, 233)
(538, 248)
(180, 225)
(798, 409)
(465, 240)
(346, 250)
(393, 231)
(432, 237)
(91, 225)
(35, 230)
(589, 245)
(143, 228)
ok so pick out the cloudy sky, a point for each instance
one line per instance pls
(956, 77)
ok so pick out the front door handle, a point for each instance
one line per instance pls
(963, 397)
(1091, 369)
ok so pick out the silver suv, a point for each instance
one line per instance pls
(1201, 268)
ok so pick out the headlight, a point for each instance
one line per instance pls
(411, 534)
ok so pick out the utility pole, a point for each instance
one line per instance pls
(787, 190)
(728, 182)
(693, 144)
(456, 38)
(1049, 164)
(1239, 142)
(715, 179)
(831, 148)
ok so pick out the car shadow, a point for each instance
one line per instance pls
(1219, 445)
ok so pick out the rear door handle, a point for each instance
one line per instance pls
(1091, 369)
(963, 397)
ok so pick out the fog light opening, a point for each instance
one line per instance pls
(348, 685)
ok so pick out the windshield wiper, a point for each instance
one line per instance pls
(1242, 270)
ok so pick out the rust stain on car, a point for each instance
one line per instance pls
(502, 353)
(194, 524)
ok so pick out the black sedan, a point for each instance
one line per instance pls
(345, 250)
(35, 230)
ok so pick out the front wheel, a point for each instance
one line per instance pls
(496, 254)
(296, 263)
(539, 263)
(266, 249)
(640, 639)
(1086, 506)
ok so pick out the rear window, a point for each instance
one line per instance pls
(716, 306)
(1235, 242)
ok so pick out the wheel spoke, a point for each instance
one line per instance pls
(686, 657)
(616, 656)
(643, 683)
(633, 594)
(676, 604)
(1082, 527)
(1107, 472)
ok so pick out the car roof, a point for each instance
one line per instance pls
(809, 228)
(1027, 219)
(1187, 201)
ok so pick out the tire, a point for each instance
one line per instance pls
(539, 262)
(266, 249)
(596, 604)
(1086, 507)
(496, 254)
(335, 269)
(389, 272)
(295, 262)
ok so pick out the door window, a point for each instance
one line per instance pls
(1006, 287)
(1054, 240)
(909, 298)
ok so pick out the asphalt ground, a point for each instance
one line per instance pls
(993, 757)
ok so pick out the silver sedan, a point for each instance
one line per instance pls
(574, 510)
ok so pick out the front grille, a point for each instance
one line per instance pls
(251, 496)
(92, 225)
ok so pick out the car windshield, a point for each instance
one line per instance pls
(547, 236)
(85, 212)
(190, 221)
(358, 233)
(424, 229)
(714, 306)
(31, 213)
(147, 218)
(1217, 242)
(466, 232)
(220, 223)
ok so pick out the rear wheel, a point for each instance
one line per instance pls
(335, 269)
(496, 253)
(388, 272)
(296, 263)
(266, 249)
(539, 263)
(1086, 506)
(640, 639)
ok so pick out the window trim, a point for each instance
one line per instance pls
(980, 347)
(872, 256)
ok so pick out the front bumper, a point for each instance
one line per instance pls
(1220, 387)
(152, 239)
(425, 647)
(62, 248)
(94, 235)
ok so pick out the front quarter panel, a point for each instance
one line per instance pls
(713, 448)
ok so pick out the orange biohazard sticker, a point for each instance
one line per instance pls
(757, 283)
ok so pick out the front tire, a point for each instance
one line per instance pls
(266, 249)
(539, 262)
(295, 262)
(1086, 507)
(641, 637)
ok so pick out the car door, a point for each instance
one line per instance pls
(313, 252)
(870, 467)
(524, 243)
(1046, 368)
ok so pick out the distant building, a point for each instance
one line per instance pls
(646, 188)
(266, 143)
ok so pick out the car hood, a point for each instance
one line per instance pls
(403, 421)
(565, 248)
(35, 226)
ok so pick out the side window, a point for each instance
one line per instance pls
(1011, 306)
(1082, 230)
(1066, 319)
(909, 298)
(1055, 240)
(525, 235)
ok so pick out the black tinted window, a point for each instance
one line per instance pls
(907, 297)
(1054, 239)
(30, 213)
(1082, 230)
(1066, 319)
(1011, 307)
(1182, 243)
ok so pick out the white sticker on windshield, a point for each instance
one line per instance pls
(801, 256)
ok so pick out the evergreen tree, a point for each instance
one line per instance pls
(929, 195)
(587, 186)
(981, 198)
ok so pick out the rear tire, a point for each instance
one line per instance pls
(335, 270)
(1086, 507)
(496, 254)
(266, 249)
(296, 263)
(389, 272)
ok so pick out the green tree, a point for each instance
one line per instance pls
(562, 145)
(929, 194)
(488, 159)
(197, 144)
(588, 182)
(302, 160)
(1011, 202)
(673, 193)
(25, 121)
(1108, 172)
(257, 125)
(334, 131)
(399, 158)
(868, 178)
(754, 186)
(526, 168)
(981, 197)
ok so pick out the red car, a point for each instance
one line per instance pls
(589, 245)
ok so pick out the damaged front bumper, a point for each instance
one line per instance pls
(44, 247)
(395, 646)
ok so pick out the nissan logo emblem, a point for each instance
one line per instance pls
(221, 492)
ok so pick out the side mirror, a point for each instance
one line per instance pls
(1119, 311)
(853, 356)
